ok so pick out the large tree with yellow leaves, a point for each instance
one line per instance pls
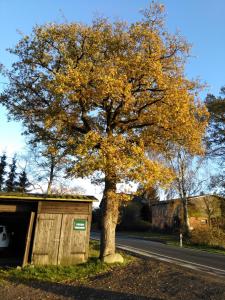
(115, 95)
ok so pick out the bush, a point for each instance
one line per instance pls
(208, 236)
(96, 219)
(141, 225)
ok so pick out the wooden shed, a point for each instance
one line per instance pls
(46, 230)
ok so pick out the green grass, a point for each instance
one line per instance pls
(79, 272)
(173, 240)
(210, 249)
(164, 237)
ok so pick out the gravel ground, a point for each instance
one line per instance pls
(143, 279)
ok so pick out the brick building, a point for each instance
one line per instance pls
(203, 210)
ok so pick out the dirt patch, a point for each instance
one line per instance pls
(143, 279)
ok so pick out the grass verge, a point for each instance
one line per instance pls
(173, 240)
(79, 272)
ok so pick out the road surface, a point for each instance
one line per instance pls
(190, 258)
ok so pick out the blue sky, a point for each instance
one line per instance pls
(202, 22)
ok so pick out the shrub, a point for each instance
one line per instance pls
(208, 236)
(141, 225)
(96, 219)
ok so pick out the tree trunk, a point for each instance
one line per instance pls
(186, 217)
(49, 188)
(110, 212)
(51, 177)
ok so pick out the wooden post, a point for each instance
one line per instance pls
(28, 239)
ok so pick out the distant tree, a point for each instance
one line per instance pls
(216, 138)
(146, 197)
(96, 218)
(217, 182)
(23, 182)
(187, 182)
(216, 129)
(151, 194)
(211, 208)
(129, 215)
(2, 170)
(11, 183)
(63, 188)
(47, 163)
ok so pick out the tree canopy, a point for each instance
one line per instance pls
(112, 94)
(216, 137)
(216, 131)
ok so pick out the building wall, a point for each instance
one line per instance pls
(166, 214)
(203, 211)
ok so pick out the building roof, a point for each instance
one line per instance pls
(44, 197)
(188, 198)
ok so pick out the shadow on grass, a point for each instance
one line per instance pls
(78, 291)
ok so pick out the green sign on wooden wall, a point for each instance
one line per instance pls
(79, 224)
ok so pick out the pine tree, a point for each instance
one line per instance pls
(11, 181)
(216, 138)
(2, 170)
(23, 183)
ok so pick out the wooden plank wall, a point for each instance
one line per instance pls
(12, 208)
(56, 241)
(46, 240)
(64, 207)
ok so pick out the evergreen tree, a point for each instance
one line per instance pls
(23, 182)
(2, 170)
(216, 129)
(11, 181)
(216, 138)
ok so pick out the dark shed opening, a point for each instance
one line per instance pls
(17, 226)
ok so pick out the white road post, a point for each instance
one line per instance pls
(181, 240)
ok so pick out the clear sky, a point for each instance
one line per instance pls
(202, 22)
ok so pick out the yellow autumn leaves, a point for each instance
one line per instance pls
(113, 92)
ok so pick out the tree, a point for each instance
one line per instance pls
(146, 197)
(150, 195)
(23, 182)
(217, 182)
(211, 208)
(216, 129)
(47, 161)
(11, 183)
(111, 93)
(186, 182)
(216, 137)
(66, 189)
(2, 170)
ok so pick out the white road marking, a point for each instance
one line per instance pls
(169, 259)
(181, 262)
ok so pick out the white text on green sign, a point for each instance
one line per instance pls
(79, 224)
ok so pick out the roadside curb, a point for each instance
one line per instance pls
(190, 265)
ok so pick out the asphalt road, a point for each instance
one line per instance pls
(190, 258)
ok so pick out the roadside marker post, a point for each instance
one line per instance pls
(181, 240)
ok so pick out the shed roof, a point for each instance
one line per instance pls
(44, 197)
